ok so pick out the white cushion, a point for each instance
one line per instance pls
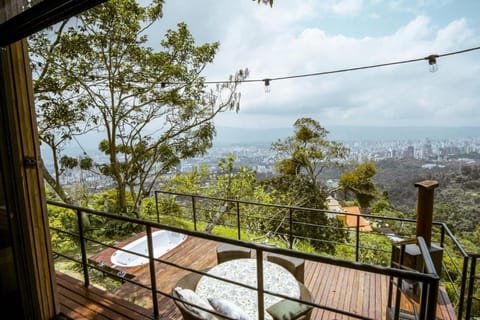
(228, 308)
(191, 297)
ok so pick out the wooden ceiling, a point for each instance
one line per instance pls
(21, 18)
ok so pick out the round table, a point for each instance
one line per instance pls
(275, 279)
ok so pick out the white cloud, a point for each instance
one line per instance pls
(347, 7)
(288, 40)
(454, 35)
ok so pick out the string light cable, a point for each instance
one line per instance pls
(78, 143)
(431, 59)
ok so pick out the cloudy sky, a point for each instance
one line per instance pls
(307, 36)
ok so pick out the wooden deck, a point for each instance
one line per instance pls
(78, 302)
(354, 291)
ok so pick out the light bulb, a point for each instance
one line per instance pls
(267, 85)
(432, 62)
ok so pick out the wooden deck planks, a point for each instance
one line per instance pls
(78, 302)
(350, 290)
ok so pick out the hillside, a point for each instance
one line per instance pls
(456, 198)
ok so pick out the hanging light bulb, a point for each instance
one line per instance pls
(267, 85)
(432, 62)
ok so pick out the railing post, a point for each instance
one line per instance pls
(429, 299)
(471, 284)
(442, 236)
(238, 220)
(399, 286)
(194, 213)
(83, 249)
(425, 209)
(290, 239)
(423, 301)
(461, 298)
(357, 239)
(260, 303)
(156, 206)
(390, 284)
(153, 278)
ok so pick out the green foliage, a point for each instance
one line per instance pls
(360, 181)
(308, 151)
(68, 162)
(191, 182)
(303, 157)
(230, 183)
(456, 200)
(382, 207)
(168, 206)
(102, 66)
(375, 249)
(65, 220)
(345, 251)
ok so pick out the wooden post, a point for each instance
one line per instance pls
(24, 187)
(425, 209)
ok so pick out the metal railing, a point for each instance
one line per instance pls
(473, 297)
(194, 205)
(428, 292)
(428, 280)
(455, 262)
(454, 251)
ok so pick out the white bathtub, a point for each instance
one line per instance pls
(163, 241)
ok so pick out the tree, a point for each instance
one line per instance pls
(303, 156)
(153, 107)
(62, 113)
(227, 183)
(360, 182)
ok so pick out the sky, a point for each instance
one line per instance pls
(310, 36)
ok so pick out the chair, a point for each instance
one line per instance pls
(227, 252)
(189, 281)
(295, 265)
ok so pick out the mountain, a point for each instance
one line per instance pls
(229, 135)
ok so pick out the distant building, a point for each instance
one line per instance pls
(409, 153)
(350, 221)
(333, 205)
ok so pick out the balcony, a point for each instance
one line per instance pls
(346, 288)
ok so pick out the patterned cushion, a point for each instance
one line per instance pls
(228, 308)
(191, 297)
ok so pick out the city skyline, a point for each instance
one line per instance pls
(431, 154)
(259, 154)
(88, 143)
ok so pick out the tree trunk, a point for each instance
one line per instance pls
(117, 176)
(52, 182)
(221, 211)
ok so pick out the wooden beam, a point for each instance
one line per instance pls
(21, 23)
(26, 204)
